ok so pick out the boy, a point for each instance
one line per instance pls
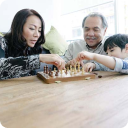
(116, 47)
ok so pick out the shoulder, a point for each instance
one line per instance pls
(78, 42)
(3, 43)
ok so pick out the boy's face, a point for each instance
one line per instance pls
(116, 52)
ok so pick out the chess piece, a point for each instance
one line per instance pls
(70, 67)
(82, 70)
(67, 68)
(78, 67)
(51, 74)
(50, 71)
(70, 72)
(75, 67)
(46, 69)
(54, 69)
(56, 74)
(61, 71)
(66, 71)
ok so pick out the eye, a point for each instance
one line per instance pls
(31, 28)
(111, 50)
(86, 29)
(96, 29)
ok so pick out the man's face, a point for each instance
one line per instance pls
(93, 31)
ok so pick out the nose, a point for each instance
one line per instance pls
(109, 54)
(36, 33)
(91, 33)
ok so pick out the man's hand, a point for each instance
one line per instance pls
(73, 63)
(88, 67)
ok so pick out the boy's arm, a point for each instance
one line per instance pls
(105, 60)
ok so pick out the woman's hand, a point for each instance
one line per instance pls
(52, 59)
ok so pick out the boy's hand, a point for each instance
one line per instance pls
(85, 56)
(88, 67)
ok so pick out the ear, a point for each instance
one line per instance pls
(105, 31)
(126, 48)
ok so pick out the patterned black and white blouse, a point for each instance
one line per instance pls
(17, 66)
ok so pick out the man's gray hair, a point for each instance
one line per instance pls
(96, 14)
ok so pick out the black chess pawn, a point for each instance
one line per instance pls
(50, 71)
(44, 69)
(56, 73)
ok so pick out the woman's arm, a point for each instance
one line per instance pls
(17, 67)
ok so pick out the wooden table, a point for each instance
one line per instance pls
(98, 103)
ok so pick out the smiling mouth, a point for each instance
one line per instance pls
(91, 38)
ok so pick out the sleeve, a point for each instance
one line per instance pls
(2, 47)
(16, 67)
(121, 66)
(100, 67)
(2, 53)
(69, 53)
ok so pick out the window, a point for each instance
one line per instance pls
(72, 23)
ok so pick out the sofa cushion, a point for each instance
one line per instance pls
(1, 34)
(55, 42)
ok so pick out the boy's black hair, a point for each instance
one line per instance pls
(119, 40)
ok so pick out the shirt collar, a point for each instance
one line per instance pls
(100, 43)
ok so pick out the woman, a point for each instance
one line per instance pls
(21, 48)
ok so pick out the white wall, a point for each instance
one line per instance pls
(76, 5)
(50, 10)
(8, 9)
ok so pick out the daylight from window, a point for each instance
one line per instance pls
(116, 13)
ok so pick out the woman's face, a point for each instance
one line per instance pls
(32, 30)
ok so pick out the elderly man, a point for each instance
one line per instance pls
(94, 28)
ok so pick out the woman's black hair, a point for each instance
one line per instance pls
(119, 40)
(16, 42)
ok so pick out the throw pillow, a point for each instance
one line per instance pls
(54, 42)
(1, 34)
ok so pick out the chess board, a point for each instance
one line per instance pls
(65, 76)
